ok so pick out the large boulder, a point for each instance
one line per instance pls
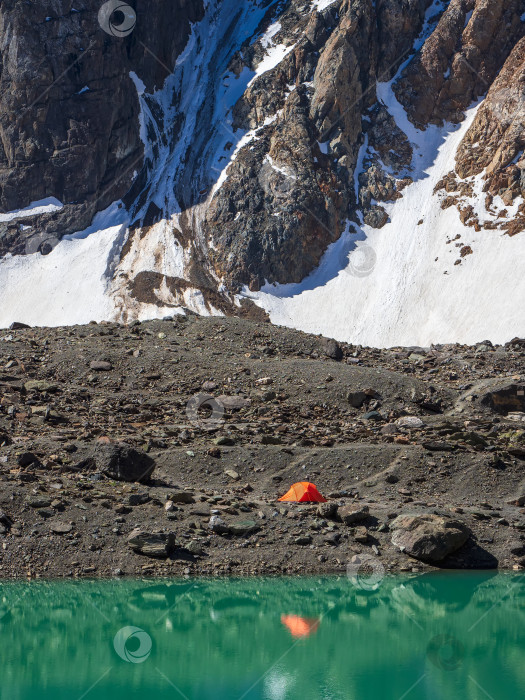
(428, 536)
(354, 513)
(122, 462)
(504, 399)
(152, 544)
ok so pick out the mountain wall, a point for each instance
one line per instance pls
(244, 141)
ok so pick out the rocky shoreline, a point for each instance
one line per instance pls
(161, 448)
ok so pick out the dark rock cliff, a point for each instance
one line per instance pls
(58, 138)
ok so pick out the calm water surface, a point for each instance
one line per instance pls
(434, 636)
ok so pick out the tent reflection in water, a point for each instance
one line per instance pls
(303, 492)
(301, 626)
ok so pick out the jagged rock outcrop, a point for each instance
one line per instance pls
(69, 111)
(460, 59)
(476, 49)
(496, 140)
(287, 198)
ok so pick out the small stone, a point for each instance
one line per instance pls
(224, 441)
(372, 415)
(333, 539)
(122, 509)
(410, 422)
(40, 385)
(122, 462)
(181, 497)
(389, 429)
(46, 512)
(232, 474)
(428, 536)
(39, 502)
(328, 510)
(6, 522)
(138, 499)
(218, 525)
(195, 548)
(27, 459)
(233, 403)
(243, 527)
(438, 446)
(100, 366)
(61, 528)
(361, 534)
(303, 541)
(356, 398)
(332, 349)
(264, 381)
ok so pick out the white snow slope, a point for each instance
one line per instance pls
(399, 285)
(82, 279)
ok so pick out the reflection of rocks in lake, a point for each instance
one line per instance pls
(230, 625)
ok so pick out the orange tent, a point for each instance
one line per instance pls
(303, 492)
(301, 626)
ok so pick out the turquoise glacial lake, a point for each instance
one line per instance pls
(446, 636)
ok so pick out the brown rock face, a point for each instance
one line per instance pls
(461, 58)
(496, 139)
(477, 48)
